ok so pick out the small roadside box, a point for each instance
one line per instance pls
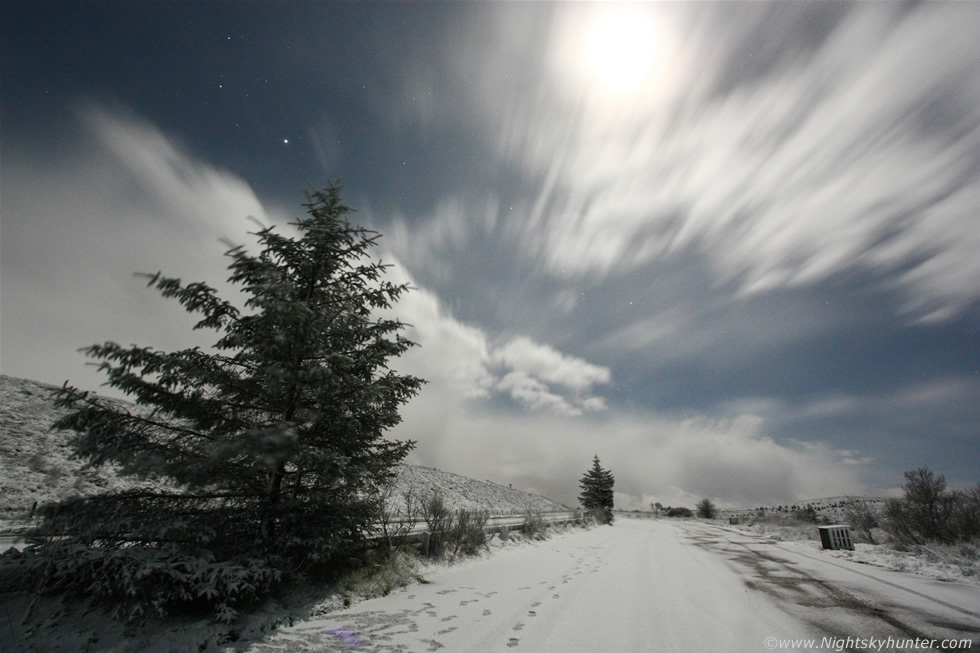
(836, 537)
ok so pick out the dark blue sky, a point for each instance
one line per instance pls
(729, 247)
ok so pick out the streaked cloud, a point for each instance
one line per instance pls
(751, 278)
(121, 197)
(859, 155)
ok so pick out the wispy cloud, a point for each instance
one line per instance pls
(119, 197)
(860, 155)
(464, 358)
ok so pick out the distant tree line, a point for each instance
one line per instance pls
(927, 512)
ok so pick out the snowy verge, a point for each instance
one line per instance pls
(954, 562)
(62, 626)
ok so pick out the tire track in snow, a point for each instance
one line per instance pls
(794, 588)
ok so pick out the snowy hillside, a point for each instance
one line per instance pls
(463, 492)
(827, 509)
(36, 465)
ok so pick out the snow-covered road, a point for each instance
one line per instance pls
(647, 585)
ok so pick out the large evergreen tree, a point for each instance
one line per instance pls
(262, 455)
(597, 492)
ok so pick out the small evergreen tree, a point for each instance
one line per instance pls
(259, 458)
(597, 492)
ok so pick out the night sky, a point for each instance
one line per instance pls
(731, 248)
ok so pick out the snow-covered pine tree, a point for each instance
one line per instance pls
(597, 492)
(267, 450)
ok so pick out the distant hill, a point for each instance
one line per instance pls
(830, 509)
(37, 465)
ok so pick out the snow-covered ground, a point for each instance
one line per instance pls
(647, 585)
(956, 562)
(642, 584)
(639, 585)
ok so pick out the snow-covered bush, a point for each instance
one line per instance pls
(395, 522)
(469, 531)
(138, 581)
(534, 525)
(438, 520)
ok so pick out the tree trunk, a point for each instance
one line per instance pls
(272, 502)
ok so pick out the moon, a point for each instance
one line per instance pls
(620, 49)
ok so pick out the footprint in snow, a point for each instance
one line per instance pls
(518, 627)
(512, 642)
(487, 613)
(449, 618)
(532, 613)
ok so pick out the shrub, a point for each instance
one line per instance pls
(438, 520)
(966, 515)
(926, 512)
(679, 512)
(378, 575)
(807, 514)
(706, 509)
(534, 524)
(468, 531)
(862, 517)
(395, 525)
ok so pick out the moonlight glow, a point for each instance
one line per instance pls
(620, 50)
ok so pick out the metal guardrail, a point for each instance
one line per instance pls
(494, 522)
(513, 521)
